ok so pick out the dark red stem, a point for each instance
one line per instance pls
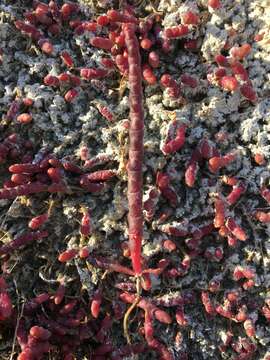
(136, 131)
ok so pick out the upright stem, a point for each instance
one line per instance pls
(136, 131)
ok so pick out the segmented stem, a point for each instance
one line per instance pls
(136, 132)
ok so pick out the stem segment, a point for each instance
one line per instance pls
(136, 131)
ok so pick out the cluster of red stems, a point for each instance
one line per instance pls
(53, 321)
